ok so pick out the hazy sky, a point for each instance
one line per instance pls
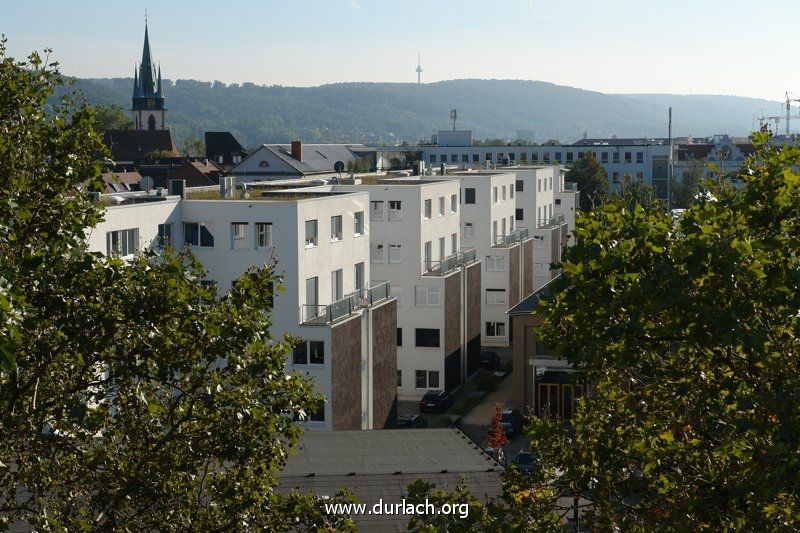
(746, 48)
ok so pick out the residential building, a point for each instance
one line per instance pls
(416, 246)
(295, 160)
(223, 149)
(543, 383)
(488, 224)
(321, 243)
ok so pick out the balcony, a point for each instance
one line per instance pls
(570, 186)
(552, 222)
(449, 264)
(321, 315)
(511, 239)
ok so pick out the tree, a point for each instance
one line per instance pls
(689, 337)
(632, 193)
(192, 146)
(592, 180)
(131, 398)
(497, 436)
(112, 118)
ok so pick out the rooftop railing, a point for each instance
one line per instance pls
(570, 186)
(449, 264)
(318, 315)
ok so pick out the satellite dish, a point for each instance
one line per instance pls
(146, 183)
(338, 167)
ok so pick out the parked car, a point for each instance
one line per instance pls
(490, 360)
(512, 422)
(526, 462)
(411, 422)
(435, 401)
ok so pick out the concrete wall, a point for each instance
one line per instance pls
(514, 257)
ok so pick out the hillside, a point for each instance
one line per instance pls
(385, 112)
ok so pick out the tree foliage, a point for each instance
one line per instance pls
(131, 398)
(592, 180)
(112, 117)
(193, 146)
(689, 337)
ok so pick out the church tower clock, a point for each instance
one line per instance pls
(148, 99)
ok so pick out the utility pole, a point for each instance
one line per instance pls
(670, 163)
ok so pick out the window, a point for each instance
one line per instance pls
(627, 157)
(454, 243)
(511, 224)
(337, 285)
(520, 186)
(469, 195)
(494, 232)
(433, 158)
(511, 191)
(539, 215)
(558, 201)
(615, 157)
(399, 338)
(546, 157)
(519, 214)
(441, 206)
(442, 253)
(488, 156)
(428, 296)
(494, 194)
(454, 158)
(604, 157)
(164, 235)
(395, 253)
(495, 296)
(359, 223)
(453, 203)
(615, 177)
(476, 158)
(399, 378)
(535, 156)
(503, 226)
(427, 379)
(511, 156)
(428, 255)
(640, 157)
(465, 158)
(122, 243)
(198, 234)
(239, 240)
(311, 233)
(495, 329)
(503, 193)
(426, 338)
(377, 253)
(263, 234)
(336, 228)
(444, 158)
(312, 292)
(558, 157)
(376, 210)
(469, 230)
(495, 263)
(359, 281)
(316, 352)
(318, 414)
(539, 185)
(523, 157)
(395, 210)
(428, 208)
(300, 354)
(570, 157)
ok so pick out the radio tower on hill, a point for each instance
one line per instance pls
(419, 69)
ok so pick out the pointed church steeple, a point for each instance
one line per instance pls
(148, 98)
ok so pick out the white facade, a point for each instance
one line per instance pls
(488, 223)
(328, 266)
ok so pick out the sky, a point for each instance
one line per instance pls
(743, 48)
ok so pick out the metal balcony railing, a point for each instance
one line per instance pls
(570, 186)
(328, 314)
(511, 239)
(553, 221)
(449, 264)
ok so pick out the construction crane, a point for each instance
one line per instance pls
(790, 97)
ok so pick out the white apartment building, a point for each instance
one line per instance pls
(488, 224)
(416, 245)
(321, 243)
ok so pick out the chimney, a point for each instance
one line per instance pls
(297, 150)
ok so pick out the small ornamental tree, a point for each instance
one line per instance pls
(497, 436)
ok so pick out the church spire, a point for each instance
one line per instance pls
(135, 80)
(158, 90)
(148, 100)
(146, 68)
